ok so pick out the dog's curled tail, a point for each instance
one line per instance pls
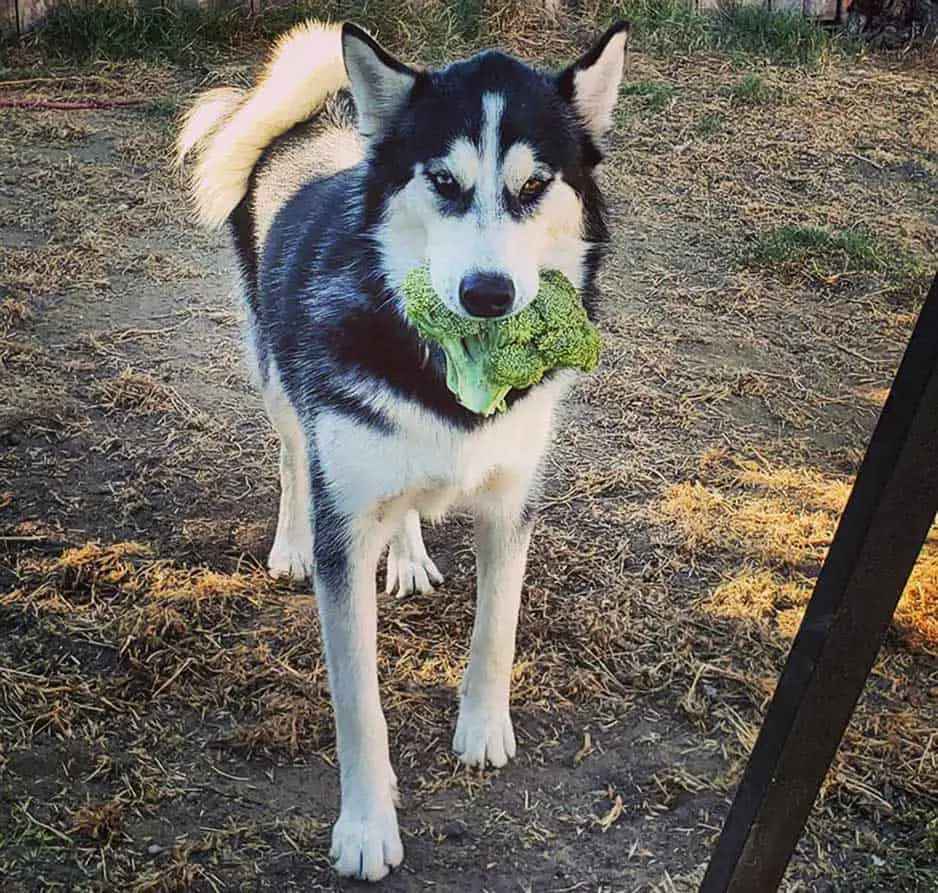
(228, 129)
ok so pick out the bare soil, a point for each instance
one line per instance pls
(164, 720)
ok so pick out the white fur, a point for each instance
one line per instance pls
(463, 162)
(409, 567)
(596, 89)
(519, 165)
(208, 112)
(483, 730)
(427, 465)
(366, 842)
(292, 553)
(489, 182)
(306, 66)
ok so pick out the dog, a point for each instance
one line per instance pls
(337, 174)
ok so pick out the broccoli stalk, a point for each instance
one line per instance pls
(485, 359)
(467, 375)
(460, 339)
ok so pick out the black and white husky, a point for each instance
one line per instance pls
(338, 173)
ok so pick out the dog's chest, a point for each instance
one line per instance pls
(429, 465)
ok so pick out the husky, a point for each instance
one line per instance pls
(341, 171)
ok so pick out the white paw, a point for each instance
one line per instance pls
(366, 844)
(483, 735)
(407, 573)
(291, 560)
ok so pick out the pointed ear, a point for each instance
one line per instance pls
(380, 83)
(591, 84)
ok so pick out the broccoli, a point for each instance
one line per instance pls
(460, 338)
(485, 359)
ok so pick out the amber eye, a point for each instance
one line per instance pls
(532, 188)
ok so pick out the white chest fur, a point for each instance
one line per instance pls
(427, 464)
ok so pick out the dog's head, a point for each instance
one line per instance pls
(484, 170)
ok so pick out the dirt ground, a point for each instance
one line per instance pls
(164, 721)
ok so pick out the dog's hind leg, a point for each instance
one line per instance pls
(291, 555)
(483, 730)
(409, 567)
(366, 842)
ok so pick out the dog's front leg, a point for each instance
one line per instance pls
(366, 842)
(483, 730)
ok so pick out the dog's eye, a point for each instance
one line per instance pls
(444, 183)
(532, 188)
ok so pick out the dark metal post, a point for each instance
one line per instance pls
(883, 527)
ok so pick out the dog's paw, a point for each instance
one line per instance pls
(407, 573)
(484, 735)
(291, 561)
(366, 845)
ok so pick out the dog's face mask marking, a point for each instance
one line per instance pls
(484, 165)
(484, 211)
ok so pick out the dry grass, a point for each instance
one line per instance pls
(430, 32)
(12, 314)
(99, 821)
(782, 520)
(138, 391)
(795, 159)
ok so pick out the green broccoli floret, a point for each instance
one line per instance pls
(485, 359)
(516, 366)
(574, 348)
(522, 328)
(567, 339)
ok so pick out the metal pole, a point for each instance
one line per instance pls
(889, 513)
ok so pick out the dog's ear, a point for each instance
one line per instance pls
(591, 84)
(380, 83)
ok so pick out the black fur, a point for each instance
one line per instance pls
(331, 536)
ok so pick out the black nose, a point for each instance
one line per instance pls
(486, 294)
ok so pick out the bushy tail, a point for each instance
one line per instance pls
(228, 129)
(205, 115)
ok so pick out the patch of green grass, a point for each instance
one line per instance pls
(859, 249)
(751, 89)
(743, 32)
(654, 95)
(827, 254)
(709, 126)
(780, 36)
(428, 30)
(660, 26)
(931, 836)
(110, 29)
